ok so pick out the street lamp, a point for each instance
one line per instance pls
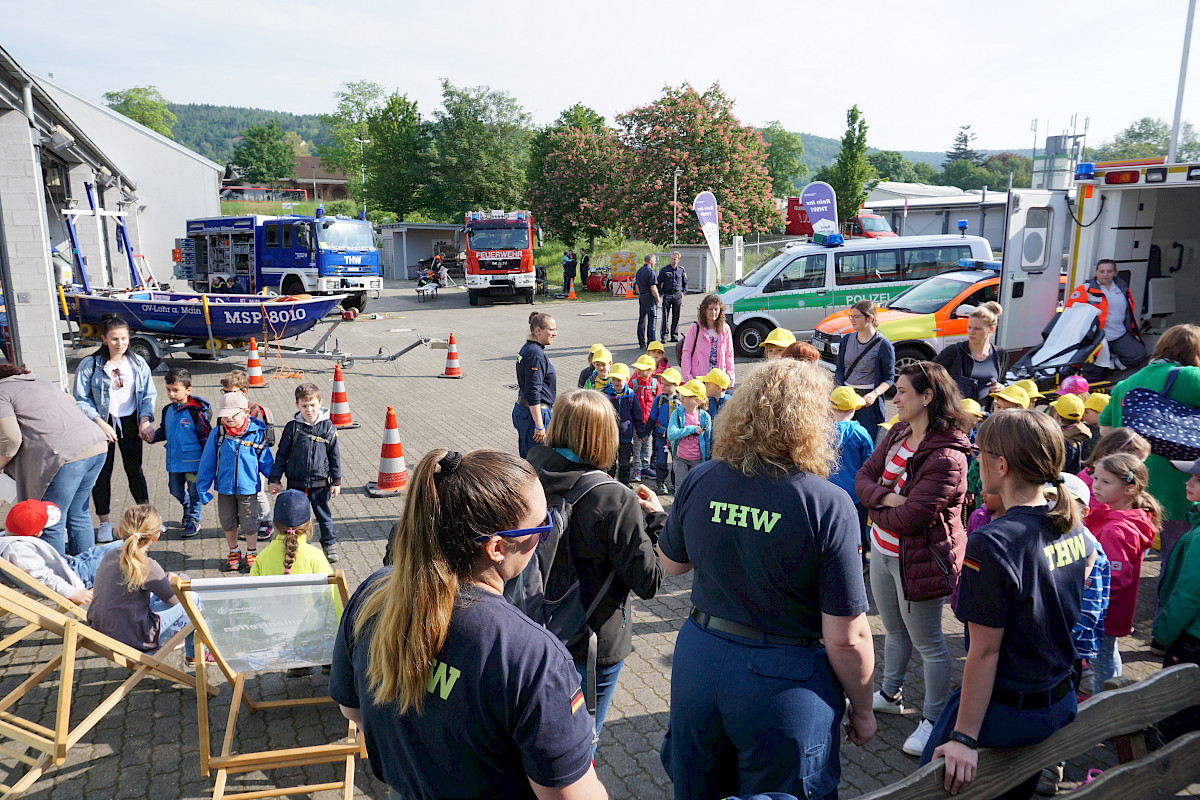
(675, 209)
(363, 167)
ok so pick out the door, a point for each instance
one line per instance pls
(1035, 234)
(798, 297)
(953, 327)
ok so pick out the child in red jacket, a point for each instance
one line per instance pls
(645, 387)
(1124, 519)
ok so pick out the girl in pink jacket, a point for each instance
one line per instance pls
(708, 342)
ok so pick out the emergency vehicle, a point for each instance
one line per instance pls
(500, 254)
(864, 224)
(289, 255)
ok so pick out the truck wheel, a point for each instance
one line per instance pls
(529, 296)
(472, 297)
(748, 338)
(292, 286)
(143, 349)
(356, 301)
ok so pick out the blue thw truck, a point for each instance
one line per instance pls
(288, 255)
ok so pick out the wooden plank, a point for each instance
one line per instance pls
(274, 759)
(23, 757)
(260, 793)
(106, 705)
(32, 584)
(62, 717)
(297, 701)
(1160, 775)
(235, 706)
(11, 639)
(27, 724)
(28, 779)
(44, 744)
(202, 709)
(33, 680)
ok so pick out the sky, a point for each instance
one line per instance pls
(917, 70)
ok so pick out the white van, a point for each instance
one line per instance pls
(804, 283)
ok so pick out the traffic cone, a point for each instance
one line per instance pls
(393, 475)
(571, 294)
(340, 415)
(452, 368)
(628, 292)
(254, 367)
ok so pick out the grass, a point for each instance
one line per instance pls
(549, 255)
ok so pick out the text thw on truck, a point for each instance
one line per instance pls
(289, 255)
(500, 254)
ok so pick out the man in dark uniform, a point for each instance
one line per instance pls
(569, 265)
(672, 283)
(585, 266)
(648, 300)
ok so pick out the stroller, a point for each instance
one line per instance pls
(1073, 338)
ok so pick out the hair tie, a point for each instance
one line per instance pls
(291, 530)
(448, 463)
(1129, 476)
(1057, 480)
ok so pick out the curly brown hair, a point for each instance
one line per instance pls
(702, 314)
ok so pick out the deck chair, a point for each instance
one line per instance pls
(22, 581)
(40, 747)
(1073, 338)
(228, 616)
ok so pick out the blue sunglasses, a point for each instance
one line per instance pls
(542, 530)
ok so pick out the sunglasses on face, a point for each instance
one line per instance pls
(542, 530)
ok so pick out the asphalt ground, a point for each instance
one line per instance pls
(147, 746)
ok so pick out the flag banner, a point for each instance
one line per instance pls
(705, 206)
(821, 204)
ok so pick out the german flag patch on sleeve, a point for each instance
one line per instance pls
(577, 701)
(971, 563)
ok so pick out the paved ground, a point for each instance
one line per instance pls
(147, 747)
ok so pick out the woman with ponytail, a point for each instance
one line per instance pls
(132, 599)
(1020, 595)
(289, 553)
(459, 694)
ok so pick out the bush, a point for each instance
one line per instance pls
(347, 208)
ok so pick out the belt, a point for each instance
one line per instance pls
(709, 622)
(1034, 700)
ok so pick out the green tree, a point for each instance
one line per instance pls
(298, 145)
(349, 122)
(999, 165)
(396, 157)
(1148, 138)
(891, 165)
(785, 158)
(480, 151)
(578, 117)
(852, 175)
(962, 150)
(263, 155)
(144, 105)
(926, 173)
(965, 175)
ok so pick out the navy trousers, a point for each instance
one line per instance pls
(647, 317)
(523, 422)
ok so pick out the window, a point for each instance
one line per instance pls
(984, 295)
(272, 235)
(804, 272)
(287, 236)
(872, 266)
(925, 262)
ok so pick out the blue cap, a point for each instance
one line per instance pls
(292, 509)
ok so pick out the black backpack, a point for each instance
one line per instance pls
(547, 590)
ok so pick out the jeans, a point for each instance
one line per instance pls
(671, 304)
(622, 468)
(131, 460)
(186, 493)
(70, 490)
(606, 687)
(909, 623)
(172, 619)
(749, 717)
(523, 422)
(647, 317)
(682, 467)
(1106, 664)
(568, 279)
(641, 456)
(318, 498)
(660, 452)
(86, 563)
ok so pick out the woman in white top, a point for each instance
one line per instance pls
(114, 388)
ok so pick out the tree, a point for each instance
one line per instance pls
(891, 165)
(926, 173)
(144, 105)
(395, 158)
(785, 153)
(263, 156)
(573, 195)
(962, 151)
(852, 176)
(1147, 138)
(299, 146)
(578, 116)
(999, 165)
(965, 174)
(347, 123)
(698, 135)
(480, 151)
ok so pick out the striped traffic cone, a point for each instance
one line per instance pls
(254, 368)
(393, 475)
(452, 368)
(340, 414)
(571, 294)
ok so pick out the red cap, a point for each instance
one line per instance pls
(30, 517)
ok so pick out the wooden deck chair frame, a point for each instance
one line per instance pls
(228, 762)
(49, 746)
(32, 586)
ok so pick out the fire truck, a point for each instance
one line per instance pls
(500, 254)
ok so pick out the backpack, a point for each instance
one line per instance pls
(547, 590)
(679, 345)
(1172, 428)
(267, 419)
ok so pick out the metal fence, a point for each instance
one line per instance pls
(756, 250)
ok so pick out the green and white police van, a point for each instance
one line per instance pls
(806, 282)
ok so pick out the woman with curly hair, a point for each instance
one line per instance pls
(778, 632)
(708, 342)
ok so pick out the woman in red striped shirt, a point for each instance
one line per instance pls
(913, 485)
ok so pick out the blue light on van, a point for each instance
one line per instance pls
(962, 227)
(828, 239)
(1085, 171)
(974, 263)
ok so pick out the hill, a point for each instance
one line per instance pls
(820, 152)
(209, 129)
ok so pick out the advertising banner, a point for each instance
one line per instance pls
(821, 204)
(705, 206)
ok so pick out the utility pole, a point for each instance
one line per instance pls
(362, 165)
(1187, 44)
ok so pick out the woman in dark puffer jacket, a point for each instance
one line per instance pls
(913, 486)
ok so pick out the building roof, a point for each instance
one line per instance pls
(305, 165)
(901, 189)
(962, 200)
(420, 226)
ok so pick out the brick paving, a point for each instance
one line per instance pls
(147, 746)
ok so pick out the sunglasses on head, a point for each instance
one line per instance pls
(542, 530)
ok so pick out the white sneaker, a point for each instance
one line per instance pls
(879, 703)
(915, 745)
(104, 534)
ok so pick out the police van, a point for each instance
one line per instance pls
(805, 283)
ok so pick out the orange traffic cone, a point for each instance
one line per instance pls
(340, 414)
(393, 475)
(254, 367)
(452, 368)
(628, 292)
(571, 294)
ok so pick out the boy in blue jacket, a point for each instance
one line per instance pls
(854, 447)
(630, 421)
(234, 457)
(660, 417)
(185, 429)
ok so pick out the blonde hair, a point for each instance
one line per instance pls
(290, 536)
(434, 549)
(988, 313)
(139, 526)
(584, 422)
(1130, 469)
(1119, 440)
(779, 420)
(1034, 447)
(236, 380)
